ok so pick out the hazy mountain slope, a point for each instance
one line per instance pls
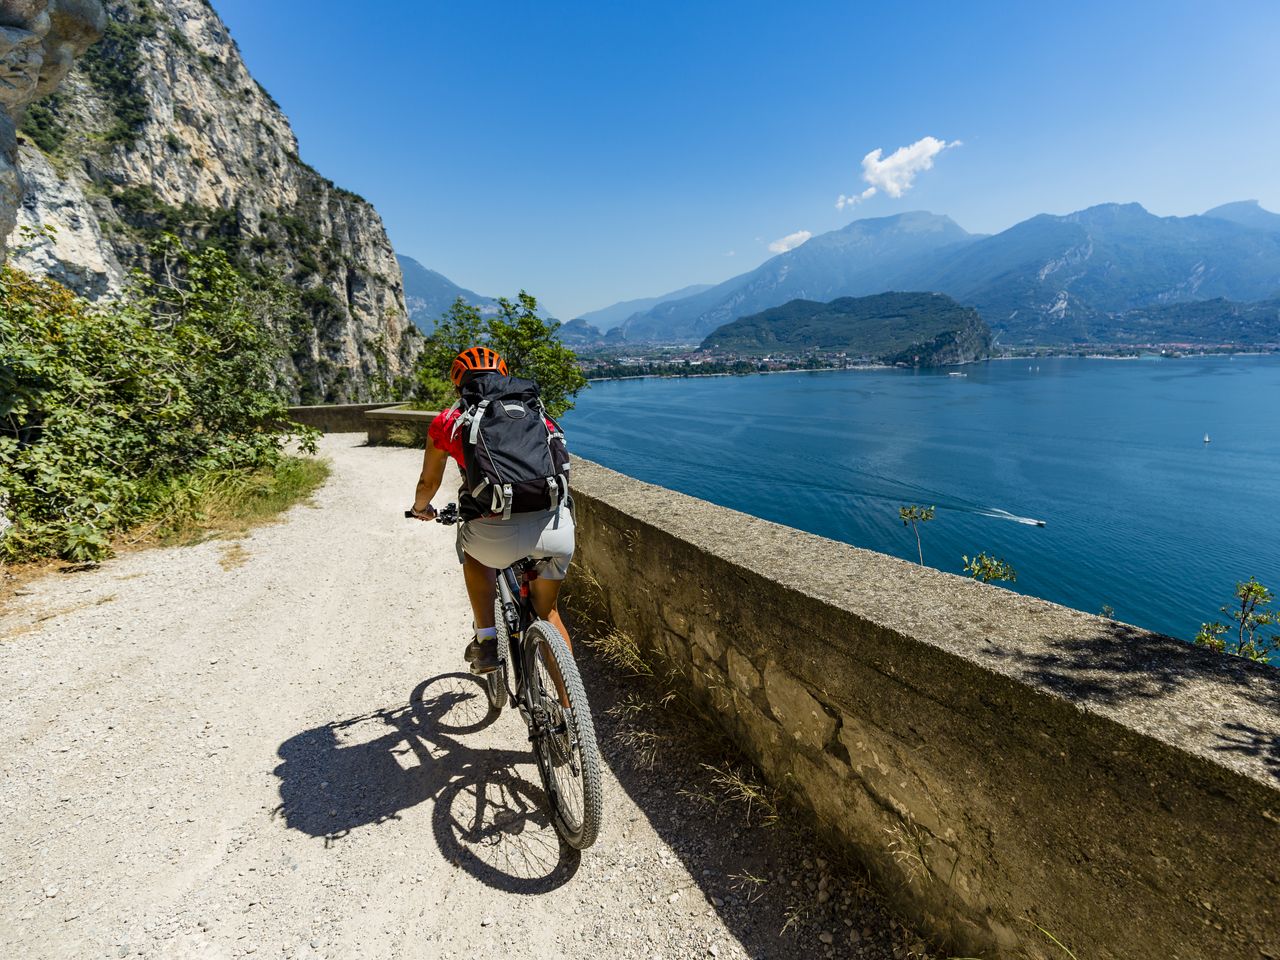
(867, 256)
(160, 127)
(927, 329)
(1202, 322)
(1247, 213)
(428, 294)
(1055, 279)
(606, 318)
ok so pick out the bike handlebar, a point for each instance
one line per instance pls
(447, 516)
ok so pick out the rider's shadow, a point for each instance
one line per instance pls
(487, 817)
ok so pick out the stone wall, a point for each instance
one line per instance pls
(398, 425)
(996, 762)
(335, 417)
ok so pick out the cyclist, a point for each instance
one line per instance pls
(486, 542)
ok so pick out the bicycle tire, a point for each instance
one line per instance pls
(495, 682)
(578, 827)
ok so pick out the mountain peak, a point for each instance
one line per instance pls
(910, 220)
(1111, 212)
(1247, 213)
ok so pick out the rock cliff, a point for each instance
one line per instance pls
(39, 40)
(160, 127)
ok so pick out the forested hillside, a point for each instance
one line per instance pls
(925, 329)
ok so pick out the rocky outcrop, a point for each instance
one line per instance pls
(161, 128)
(39, 40)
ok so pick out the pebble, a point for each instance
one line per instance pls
(486, 922)
(826, 937)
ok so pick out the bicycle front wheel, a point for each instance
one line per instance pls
(565, 748)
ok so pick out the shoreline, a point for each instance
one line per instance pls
(884, 366)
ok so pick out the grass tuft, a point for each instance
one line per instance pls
(737, 785)
(226, 503)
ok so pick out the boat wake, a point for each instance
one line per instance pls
(1006, 515)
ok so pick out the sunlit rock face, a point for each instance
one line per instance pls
(39, 41)
(160, 127)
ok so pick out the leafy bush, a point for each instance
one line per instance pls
(988, 569)
(1250, 617)
(109, 412)
(43, 125)
(525, 340)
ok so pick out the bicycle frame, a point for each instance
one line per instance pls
(517, 609)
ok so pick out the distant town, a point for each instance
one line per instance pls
(683, 361)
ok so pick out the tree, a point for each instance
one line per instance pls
(986, 569)
(525, 340)
(912, 516)
(1250, 616)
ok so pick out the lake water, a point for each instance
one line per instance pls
(1140, 513)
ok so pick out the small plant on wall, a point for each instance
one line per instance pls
(913, 516)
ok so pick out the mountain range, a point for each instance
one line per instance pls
(428, 294)
(1047, 280)
(606, 318)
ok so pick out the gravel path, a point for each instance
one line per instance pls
(266, 746)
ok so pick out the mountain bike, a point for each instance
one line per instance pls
(537, 674)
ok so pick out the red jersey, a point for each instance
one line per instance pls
(446, 436)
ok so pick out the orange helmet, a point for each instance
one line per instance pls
(475, 360)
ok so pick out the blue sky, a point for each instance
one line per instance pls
(595, 152)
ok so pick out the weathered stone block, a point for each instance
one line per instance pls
(742, 672)
(705, 636)
(799, 712)
(889, 779)
(675, 619)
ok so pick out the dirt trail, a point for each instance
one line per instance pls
(267, 747)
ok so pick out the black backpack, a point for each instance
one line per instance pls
(515, 455)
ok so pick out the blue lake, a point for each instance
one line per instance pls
(1140, 513)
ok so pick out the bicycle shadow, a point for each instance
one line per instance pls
(487, 816)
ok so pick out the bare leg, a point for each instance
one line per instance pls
(481, 589)
(545, 593)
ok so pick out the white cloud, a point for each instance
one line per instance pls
(731, 253)
(896, 173)
(790, 241)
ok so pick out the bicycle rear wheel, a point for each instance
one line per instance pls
(495, 682)
(565, 750)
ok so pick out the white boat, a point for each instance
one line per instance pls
(1206, 439)
(957, 374)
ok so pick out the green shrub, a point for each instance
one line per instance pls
(526, 340)
(108, 413)
(1250, 614)
(43, 125)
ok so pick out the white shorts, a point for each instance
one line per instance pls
(547, 536)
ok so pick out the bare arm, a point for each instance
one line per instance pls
(434, 461)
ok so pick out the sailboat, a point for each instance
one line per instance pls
(1206, 439)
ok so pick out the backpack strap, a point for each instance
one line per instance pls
(474, 417)
(502, 497)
